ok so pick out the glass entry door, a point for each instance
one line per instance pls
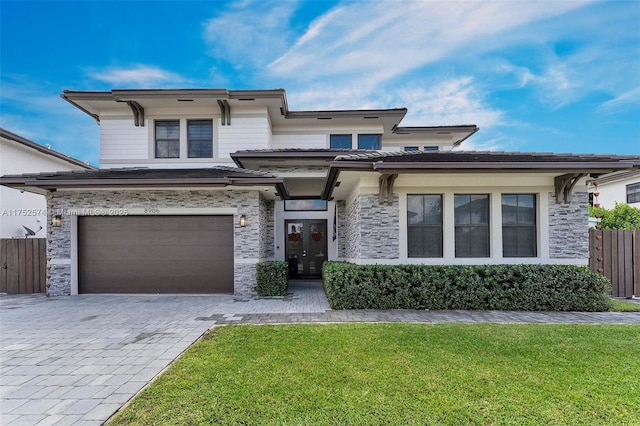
(306, 242)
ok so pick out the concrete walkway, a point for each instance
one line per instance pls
(78, 359)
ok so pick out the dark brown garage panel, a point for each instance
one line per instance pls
(155, 254)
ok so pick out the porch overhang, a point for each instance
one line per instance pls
(144, 179)
(568, 168)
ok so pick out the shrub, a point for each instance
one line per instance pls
(621, 217)
(482, 287)
(272, 278)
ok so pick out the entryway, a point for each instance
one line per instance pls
(306, 247)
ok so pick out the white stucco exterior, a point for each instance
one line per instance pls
(614, 188)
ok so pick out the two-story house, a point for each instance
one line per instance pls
(197, 186)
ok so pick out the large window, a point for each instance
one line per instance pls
(633, 193)
(200, 138)
(519, 225)
(471, 225)
(168, 139)
(424, 225)
(340, 141)
(369, 142)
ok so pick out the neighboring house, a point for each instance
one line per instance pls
(619, 187)
(18, 208)
(197, 186)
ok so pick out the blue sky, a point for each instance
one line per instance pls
(554, 76)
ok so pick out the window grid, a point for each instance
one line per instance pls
(424, 225)
(519, 237)
(200, 138)
(167, 138)
(633, 193)
(471, 217)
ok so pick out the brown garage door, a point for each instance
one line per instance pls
(155, 254)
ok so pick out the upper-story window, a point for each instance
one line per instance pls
(200, 138)
(633, 193)
(167, 139)
(340, 141)
(370, 142)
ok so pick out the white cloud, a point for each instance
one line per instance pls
(144, 76)
(620, 103)
(250, 32)
(450, 102)
(39, 114)
(494, 144)
(380, 42)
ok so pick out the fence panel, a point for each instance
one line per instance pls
(614, 254)
(22, 265)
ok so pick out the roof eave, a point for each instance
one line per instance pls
(97, 182)
(395, 112)
(589, 167)
(26, 142)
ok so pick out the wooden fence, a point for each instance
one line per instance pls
(616, 255)
(22, 265)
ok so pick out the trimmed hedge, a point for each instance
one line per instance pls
(483, 287)
(272, 278)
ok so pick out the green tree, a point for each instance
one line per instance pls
(622, 216)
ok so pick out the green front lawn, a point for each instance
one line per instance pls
(623, 306)
(391, 374)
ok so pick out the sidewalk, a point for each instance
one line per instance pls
(306, 302)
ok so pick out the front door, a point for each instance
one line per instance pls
(306, 242)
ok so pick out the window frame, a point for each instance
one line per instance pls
(426, 226)
(343, 135)
(189, 140)
(363, 135)
(289, 205)
(169, 140)
(519, 225)
(633, 196)
(470, 227)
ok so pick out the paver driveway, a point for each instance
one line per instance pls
(78, 359)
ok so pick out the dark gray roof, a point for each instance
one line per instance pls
(328, 152)
(48, 151)
(324, 154)
(388, 163)
(145, 177)
(219, 172)
(486, 157)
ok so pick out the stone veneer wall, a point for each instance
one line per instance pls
(372, 229)
(341, 218)
(379, 228)
(245, 247)
(351, 230)
(569, 227)
(267, 251)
